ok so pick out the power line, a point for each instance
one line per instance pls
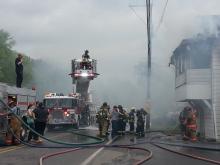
(142, 20)
(162, 16)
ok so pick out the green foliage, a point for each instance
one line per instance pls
(7, 61)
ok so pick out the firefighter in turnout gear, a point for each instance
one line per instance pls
(131, 119)
(188, 123)
(191, 125)
(183, 120)
(140, 123)
(122, 120)
(14, 125)
(102, 117)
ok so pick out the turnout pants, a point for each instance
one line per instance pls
(131, 126)
(114, 127)
(15, 127)
(103, 125)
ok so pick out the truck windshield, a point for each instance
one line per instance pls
(50, 103)
(60, 103)
(67, 103)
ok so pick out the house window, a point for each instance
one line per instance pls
(180, 65)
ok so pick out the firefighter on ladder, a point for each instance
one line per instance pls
(14, 125)
(102, 117)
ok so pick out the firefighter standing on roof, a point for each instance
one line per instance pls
(19, 70)
(102, 117)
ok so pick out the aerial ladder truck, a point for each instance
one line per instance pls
(83, 71)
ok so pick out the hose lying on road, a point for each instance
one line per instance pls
(188, 155)
(156, 144)
(149, 156)
(187, 145)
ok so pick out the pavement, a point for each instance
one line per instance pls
(23, 155)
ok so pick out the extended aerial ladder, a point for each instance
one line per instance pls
(83, 71)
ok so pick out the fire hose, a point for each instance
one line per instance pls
(100, 140)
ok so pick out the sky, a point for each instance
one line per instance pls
(58, 31)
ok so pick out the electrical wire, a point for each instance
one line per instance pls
(141, 19)
(162, 16)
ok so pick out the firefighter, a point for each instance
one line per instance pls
(102, 117)
(147, 121)
(85, 60)
(14, 126)
(19, 70)
(131, 119)
(140, 124)
(86, 55)
(191, 125)
(183, 120)
(114, 120)
(122, 120)
(108, 119)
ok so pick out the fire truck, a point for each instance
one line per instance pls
(83, 71)
(22, 96)
(63, 110)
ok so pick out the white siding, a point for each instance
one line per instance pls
(180, 93)
(198, 91)
(216, 87)
(194, 84)
(199, 76)
(209, 123)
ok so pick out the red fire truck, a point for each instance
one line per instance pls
(63, 110)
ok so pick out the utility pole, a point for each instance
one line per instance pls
(148, 11)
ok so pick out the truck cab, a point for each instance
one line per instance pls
(62, 110)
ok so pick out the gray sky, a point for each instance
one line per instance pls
(61, 30)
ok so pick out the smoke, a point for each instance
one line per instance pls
(49, 77)
(57, 32)
(182, 20)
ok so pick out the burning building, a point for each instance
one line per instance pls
(197, 80)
